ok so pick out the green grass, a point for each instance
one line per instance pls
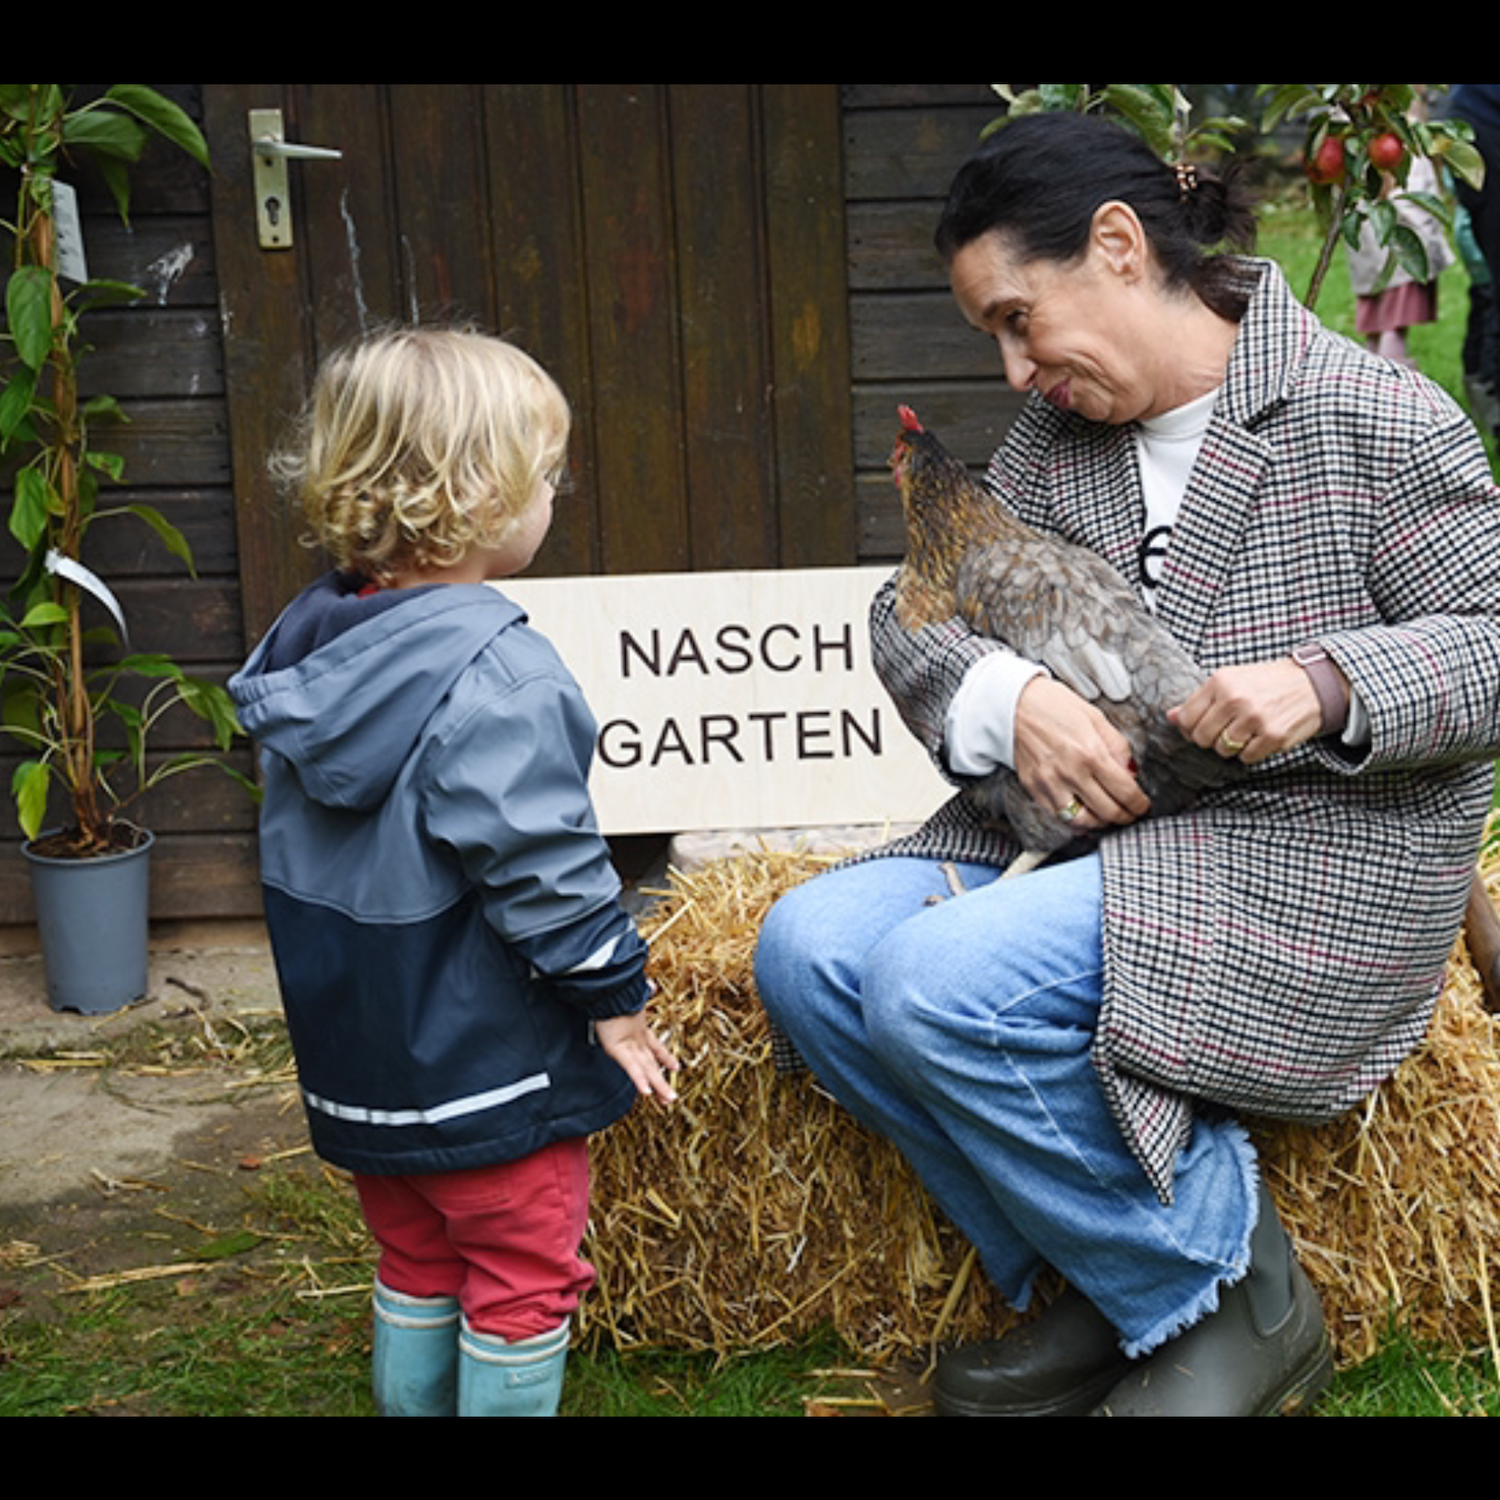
(279, 1326)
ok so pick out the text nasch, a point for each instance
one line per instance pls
(767, 736)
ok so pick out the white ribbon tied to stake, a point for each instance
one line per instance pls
(75, 572)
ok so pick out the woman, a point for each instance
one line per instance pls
(1062, 1056)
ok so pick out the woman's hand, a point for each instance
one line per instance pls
(637, 1049)
(1068, 754)
(1252, 712)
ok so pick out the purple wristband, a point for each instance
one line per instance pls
(1328, 684)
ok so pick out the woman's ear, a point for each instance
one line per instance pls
(1120, 238)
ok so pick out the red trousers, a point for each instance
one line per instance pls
(503, 1240)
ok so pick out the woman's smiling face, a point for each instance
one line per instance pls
(1079, 334)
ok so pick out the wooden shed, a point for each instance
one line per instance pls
(733, 282)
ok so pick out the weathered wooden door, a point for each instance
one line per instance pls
(674, 253)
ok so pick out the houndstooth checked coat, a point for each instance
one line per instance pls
(1279, 949)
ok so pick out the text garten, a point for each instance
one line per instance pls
(763, 734)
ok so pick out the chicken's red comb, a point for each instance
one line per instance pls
(908, 419)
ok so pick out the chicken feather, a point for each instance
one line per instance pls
(1056, 604)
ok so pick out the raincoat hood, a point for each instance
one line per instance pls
(343, 685)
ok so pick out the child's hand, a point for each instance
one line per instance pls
(632, 1044)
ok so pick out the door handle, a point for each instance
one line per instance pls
(269, 153)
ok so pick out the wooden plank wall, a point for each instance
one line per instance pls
(163, 359)
(674, 253)
(904, 142)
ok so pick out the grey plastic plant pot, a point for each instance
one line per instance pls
(93, 918)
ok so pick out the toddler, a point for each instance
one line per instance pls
(463, 989)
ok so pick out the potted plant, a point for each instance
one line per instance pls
(62, 678)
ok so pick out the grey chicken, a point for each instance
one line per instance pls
(1056, 604)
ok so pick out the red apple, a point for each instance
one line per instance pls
(1386, 151)
(1327, 165)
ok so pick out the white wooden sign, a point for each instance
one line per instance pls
(734, 700)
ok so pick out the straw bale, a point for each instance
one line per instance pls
(756, 1211)
(1395, 1207)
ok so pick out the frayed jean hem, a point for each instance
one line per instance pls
(1220, 1281)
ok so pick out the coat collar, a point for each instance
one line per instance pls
(1273, 341)
(1096, 490)
(1264, 366)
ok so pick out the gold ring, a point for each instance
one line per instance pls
(1229, 746)
(1074, 809)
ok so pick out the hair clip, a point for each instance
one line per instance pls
(1187, 179)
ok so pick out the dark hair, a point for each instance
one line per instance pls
(1041, 178)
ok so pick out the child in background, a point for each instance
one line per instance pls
(1389, 301)
(463, 989)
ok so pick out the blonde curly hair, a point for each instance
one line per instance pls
(418, 444)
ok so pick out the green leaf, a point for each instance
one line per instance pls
(163, 116)
(1383, 216)
(105, 406)
(15, 100)
(105, 133)
(105, 293)
(106, 463)
(28, 307)
(29, 787)
(171, 537)
(1063, 96)
(1465, 160)
(210, 702)
(15, 403)
(116, 175)
(41, 615)
(21, 711)
(28, 512)
(1441, 210)
(1411, 252)
(151, 664)
(1140, 106)
(231, 1244)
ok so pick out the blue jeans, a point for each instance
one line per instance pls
(960, 1029)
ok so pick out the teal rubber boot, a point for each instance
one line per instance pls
(499, 1379)
(414, 1367)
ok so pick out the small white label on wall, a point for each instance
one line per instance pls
(68, 227)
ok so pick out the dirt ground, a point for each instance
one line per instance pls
(71, 1129)
(89, 1153)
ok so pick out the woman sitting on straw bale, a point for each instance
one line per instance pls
(1060, 1055)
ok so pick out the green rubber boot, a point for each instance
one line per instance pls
(1263, 1353)
(1059, 1365)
